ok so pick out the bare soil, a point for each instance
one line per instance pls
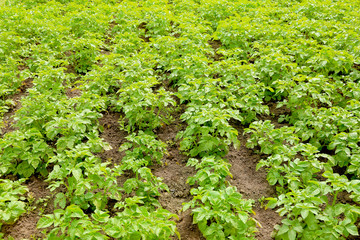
(112, 135)
(72, 92)
(216, 44)
(252, 184)
(175, 173)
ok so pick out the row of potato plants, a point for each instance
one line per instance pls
(11, 81)
(12, 192)
(127, 85)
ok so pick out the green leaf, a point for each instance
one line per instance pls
(243, 217)
(60, 200)
(25, 169)
(100, 216)
(75, 211)
(292, 234)
(311, 222)
(44, 222)
(77, 173)
(186, 206)
(304, 213)
(130, 184)
(354, 136)
(283, 229)
(272, 202)
(352, 229)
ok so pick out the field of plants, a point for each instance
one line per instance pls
(180, 119)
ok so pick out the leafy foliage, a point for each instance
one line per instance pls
(221, 64)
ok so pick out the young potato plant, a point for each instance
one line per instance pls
(354, 167)
(143, 108)
(330, 61)
(135, 221)
(320, 125)
(208, 131)
(268, 138)
(303, 197)
(72, 128)
(83, 184)
(94, 21)
(102, 80)
(218, 208)
(158, 20)
(11, 81)
(230, 91)
(345, 145)
(222, 213)
(316, 91)
(70, 224)
(238, 88)
(294, 166)
(144, 147)
(145, 150)
(83, 175)
(147, 186)
(211, 171)
(12, 200)
(24, 153)
(82, 53)
(311, 214)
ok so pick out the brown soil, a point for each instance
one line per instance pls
(216, 44)
(72, 92)
(70, 68)
(38, 188)
(175, 173)
(112, 135)
(252, 184)
(24, 228)
(105, 52)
